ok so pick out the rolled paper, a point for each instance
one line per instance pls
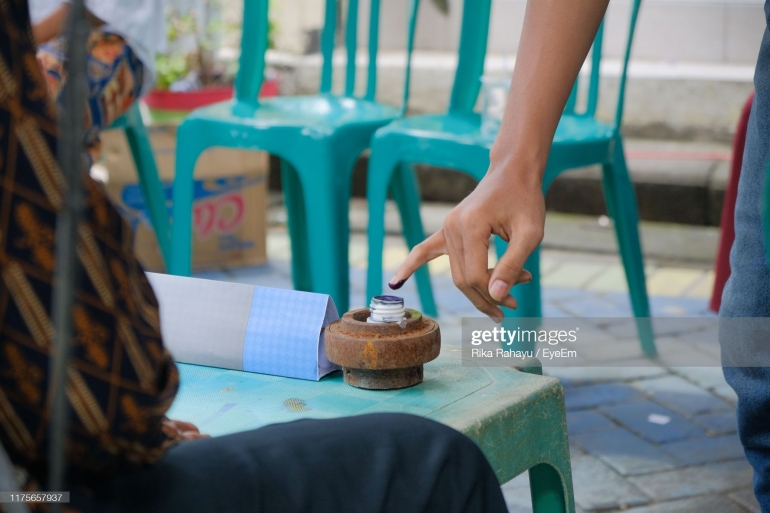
(244, 327)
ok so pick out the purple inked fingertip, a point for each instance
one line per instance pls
(397, 285)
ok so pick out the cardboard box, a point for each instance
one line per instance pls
(229, 205)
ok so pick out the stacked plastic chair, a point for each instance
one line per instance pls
(455, 140)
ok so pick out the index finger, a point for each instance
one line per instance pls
(432, 247)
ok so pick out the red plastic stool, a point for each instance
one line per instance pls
(727, 223)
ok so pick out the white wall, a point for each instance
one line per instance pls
(716, 31)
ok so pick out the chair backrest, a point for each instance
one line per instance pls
(474, 33)
(594, 79)
(254, 45)
(472, 52)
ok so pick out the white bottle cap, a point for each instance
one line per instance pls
(386, 309)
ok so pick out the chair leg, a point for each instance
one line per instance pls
(152, 188)
(188, 149)
(550, 481)
(295, 210)
(406, 194)
(547, 490)
(381, 169)
(528, 294)
(621, 205)
(328, 228)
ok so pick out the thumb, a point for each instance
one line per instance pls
(509, 271)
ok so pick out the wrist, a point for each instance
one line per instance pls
(524, 168)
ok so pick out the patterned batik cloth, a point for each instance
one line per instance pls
(114, 80)
(121, 380)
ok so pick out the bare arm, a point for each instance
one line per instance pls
(53, 25)
(509, 200)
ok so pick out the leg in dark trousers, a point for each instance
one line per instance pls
(370, 463)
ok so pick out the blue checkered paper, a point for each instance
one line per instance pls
(243, 327)
(284, 336)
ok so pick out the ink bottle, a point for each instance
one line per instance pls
(384, 309)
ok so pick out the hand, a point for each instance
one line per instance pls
(505, 203)
(509, 200)
(180, 430)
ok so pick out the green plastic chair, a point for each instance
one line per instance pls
(318, 139)
(149, 181)
(455, 140)
(517, 419)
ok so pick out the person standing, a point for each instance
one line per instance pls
(555, 40)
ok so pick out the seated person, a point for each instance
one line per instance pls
(121, 54)
(123, 454)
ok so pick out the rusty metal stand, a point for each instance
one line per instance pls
(382, 356)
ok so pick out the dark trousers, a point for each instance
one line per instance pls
(370, 463)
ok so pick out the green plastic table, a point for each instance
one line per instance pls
(517, 419)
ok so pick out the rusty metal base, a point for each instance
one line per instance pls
(383, 356)
(383, 379)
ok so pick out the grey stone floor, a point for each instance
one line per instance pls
(624, 457)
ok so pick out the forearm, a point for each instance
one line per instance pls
(53, 25)
(554, 43)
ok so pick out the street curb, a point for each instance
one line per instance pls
(672, 191)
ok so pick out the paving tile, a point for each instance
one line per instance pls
(726, 392)
(594, 308)
(635, 416)
(591, 396)
(575, 451)
(668, 330)
(669, 281)
(624, 451)
(572, 274)
(721, 423)
(705, 450)
(358, 251)
(681, 396)
(520, 482)
(681, 352)
(704, 377)
(561, 293)
(393, 256)
(440, 265)
(747, 499)
(579, 422)
(609, 351)
(700, 480)
(707, 504)
(517, 495)
(553, 310)
(613, 279)
(704, 287)
(662, 306)
(597, 487)
(549, 262)
(575, 376)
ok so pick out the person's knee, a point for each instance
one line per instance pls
(399, 423)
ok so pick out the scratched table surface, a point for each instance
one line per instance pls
(479, 402)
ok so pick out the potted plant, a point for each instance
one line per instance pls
(189, 74)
